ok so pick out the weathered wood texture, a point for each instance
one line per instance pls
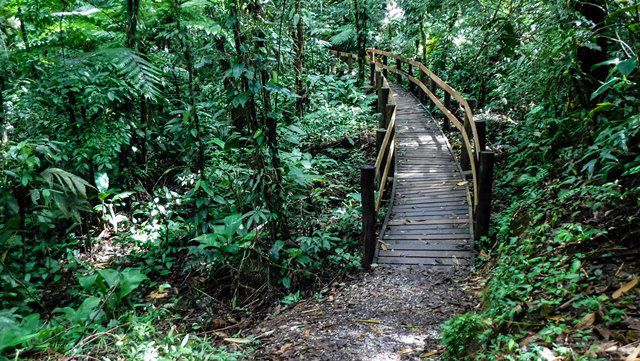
(428, 222)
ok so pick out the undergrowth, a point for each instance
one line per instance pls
(565, 233)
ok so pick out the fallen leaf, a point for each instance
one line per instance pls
(546, 354)
(460, 184)
(587, 321)
(218, 323)
(284, 348)
(428, 354)
(369, 321)
(241, 341)
(604, 332)
(376, 330)
(407, 352)
(634, 354)
(625, 288)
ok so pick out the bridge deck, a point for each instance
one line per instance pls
(428, 223)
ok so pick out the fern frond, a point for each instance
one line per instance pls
(66, 182)
(347, 34)
(145, 77)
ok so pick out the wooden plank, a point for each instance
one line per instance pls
(413, 253)
(433, 192)
(421, 203)
(423, 245)
(424, 261)
(430, 208)
(427, 215)
(447, 220)
(428, 200)
(459, 233)
(435, 185)
(446, 237)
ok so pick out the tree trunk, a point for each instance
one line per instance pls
(595, 11)
(423, 39)
(360, 39)
(133, 8)
(186, 45)
(299, 51)
(4, 124)
(248, 110)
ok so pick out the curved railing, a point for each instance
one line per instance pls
(475, 161)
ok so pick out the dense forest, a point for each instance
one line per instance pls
(173, 172)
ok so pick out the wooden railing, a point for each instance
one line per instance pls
(475, 160)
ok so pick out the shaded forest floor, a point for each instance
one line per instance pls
(385, 314)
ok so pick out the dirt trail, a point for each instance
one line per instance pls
(389, 313)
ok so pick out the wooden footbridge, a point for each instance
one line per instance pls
(440, 199)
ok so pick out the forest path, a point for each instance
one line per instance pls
(388, 313)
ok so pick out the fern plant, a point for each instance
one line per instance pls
(23, 181)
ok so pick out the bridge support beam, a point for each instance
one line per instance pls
(367, 185)
(485, 184)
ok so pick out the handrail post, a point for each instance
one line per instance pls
(367, 185)
(412, 87)
(481, 128)
(350, 63)
(485, 183)
(398, 75)
(446, 124)
(423, 80)
(432, 87)
(465, 162)
(385, 61)
(380, 133)
(389, 109)
(372, 73)
(383, 99)
(376, 88)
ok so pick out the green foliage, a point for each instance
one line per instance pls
(463, 335)
(157, 149)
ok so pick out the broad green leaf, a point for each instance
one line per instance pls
(110, 276)
(131, 278)
(86, 282)
(102, 181)
(604, 87)
(627, 66)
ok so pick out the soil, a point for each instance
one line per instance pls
(388, 313)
